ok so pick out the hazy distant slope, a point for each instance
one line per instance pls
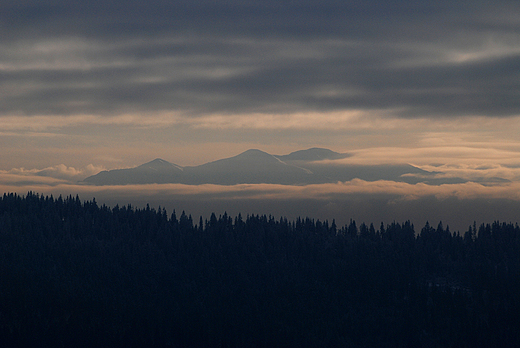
(344, 172)
(313, 160)
(157, 171)
(250, 167)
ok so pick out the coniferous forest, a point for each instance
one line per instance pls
(74, 273)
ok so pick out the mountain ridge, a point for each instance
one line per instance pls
(254, 166)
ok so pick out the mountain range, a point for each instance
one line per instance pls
(311, 166)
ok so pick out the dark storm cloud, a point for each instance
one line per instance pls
(274, 18)
(111, 57)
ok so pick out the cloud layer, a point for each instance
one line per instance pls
(414, 59)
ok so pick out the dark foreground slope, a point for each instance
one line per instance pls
(77, 274)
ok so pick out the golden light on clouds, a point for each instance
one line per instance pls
(437, 131)
(23, 182)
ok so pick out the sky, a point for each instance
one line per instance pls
(93, 85)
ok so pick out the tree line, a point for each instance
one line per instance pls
(76, 273)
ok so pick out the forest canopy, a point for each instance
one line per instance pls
(77, 273)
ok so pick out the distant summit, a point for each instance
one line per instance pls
(250, 167)
(253, 153)
(253, 156)
(159, 164)
(313, 154)
(258, 167)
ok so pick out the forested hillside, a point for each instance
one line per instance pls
(74, 273)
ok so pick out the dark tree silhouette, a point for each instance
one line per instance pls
(76, 273)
